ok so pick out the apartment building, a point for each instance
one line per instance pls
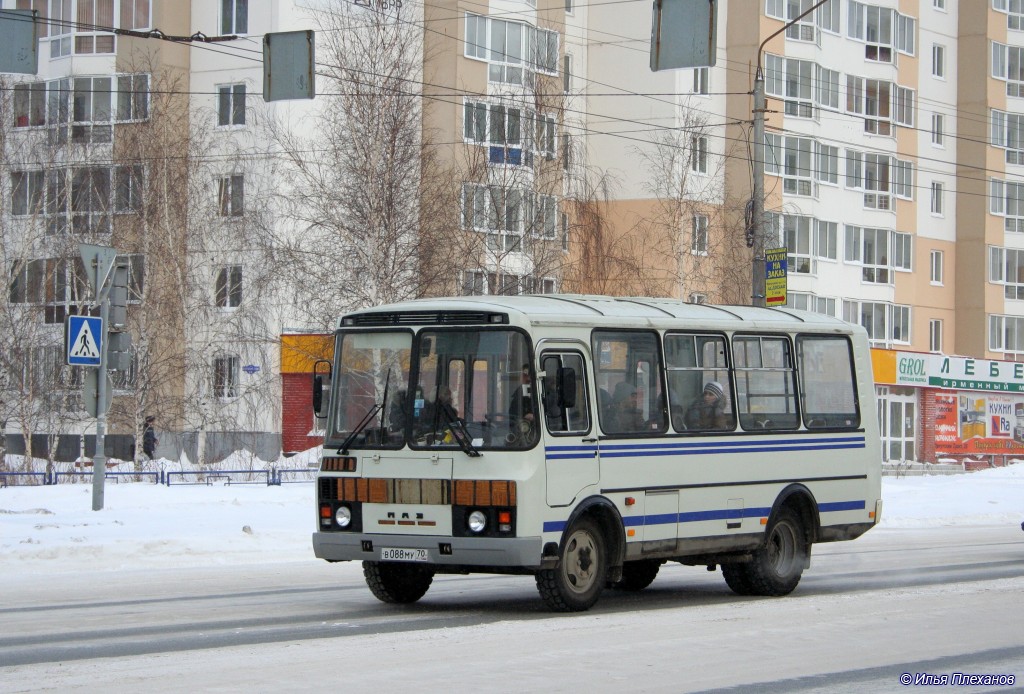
(893, 154)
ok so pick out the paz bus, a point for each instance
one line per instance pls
(588, 440)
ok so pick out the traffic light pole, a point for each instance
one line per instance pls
(99, 459)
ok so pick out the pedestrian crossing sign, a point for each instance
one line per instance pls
(83, 339)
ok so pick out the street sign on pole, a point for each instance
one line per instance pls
(83, 340)
(775, 276)
(19, 51)
(288, 64)
(683, 34)
(91, 393)
(98, 261)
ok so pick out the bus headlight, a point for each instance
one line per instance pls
(477, 521)
(343, 516)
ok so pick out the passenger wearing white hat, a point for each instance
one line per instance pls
(708, 412)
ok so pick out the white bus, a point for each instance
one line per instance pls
(588, 440)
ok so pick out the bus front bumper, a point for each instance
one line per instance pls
(520, 552)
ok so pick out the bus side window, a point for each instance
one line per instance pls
(565, 412)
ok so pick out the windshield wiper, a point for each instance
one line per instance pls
(367, 418)
(459, 432)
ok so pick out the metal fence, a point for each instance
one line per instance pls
(272, 476)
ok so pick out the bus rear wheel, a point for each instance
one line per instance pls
(397, 583)
(583, 564)
(778, 565)
(637, 575)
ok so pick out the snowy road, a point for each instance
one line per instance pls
(932, 600)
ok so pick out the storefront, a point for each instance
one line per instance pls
(933, 407)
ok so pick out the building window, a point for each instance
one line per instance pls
(935, 335)
(699, 239)
(135, 14)
(132, 97)
(1014, 10)
(27, 188)
(481, 283)
(59, 285)
(228, 287)
(128, 189)
(871, 173)
(697, 298)
(1006, 267)
(503, 215)
(234, 17)
(231, 195)
(872, 99)
(809, 302)
(937, 190)
(938, 61)
(826, 91)
(797, 229)
(566, 72)
(791, 80)
(870, 248)
(826, 158)
(902, 251)
(94, 14)
(701, 77)
(903, 106)
(1006, 334)
(886, 323)
(231, 105)
(938, 126)
(1007, 132)
(511, 48)
(1006, 199)
(1008, 65)
(936, 267)
(699, 154)
(939, 4)
(225, 376)
(903, 175)
(790, 157)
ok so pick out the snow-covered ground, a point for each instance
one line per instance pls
(53, 528)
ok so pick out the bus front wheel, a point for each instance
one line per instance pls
(778, 565)
(397, 583)
(577, 582)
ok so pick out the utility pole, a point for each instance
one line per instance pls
(756, 222)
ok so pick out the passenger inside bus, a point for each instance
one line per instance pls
(709, 411)
(625, 414)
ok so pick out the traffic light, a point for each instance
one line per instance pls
(119, 340)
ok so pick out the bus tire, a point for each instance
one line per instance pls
(778, 565)
(397, 583)
(637, 575)
(576, 584)
(737, 577)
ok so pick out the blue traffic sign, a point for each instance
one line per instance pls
(83, 337)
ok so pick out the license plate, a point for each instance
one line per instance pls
(403, 554)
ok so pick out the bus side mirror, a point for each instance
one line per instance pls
(321, 384)
(567, 387)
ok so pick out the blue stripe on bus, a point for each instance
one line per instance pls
(711, 515)
(703, 448)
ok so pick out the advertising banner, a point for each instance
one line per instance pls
(979, 423)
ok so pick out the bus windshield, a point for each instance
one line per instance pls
(473, 390)
(371, 383)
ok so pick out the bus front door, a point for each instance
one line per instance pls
(570, 446)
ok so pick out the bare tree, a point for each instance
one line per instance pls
(362, 189)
